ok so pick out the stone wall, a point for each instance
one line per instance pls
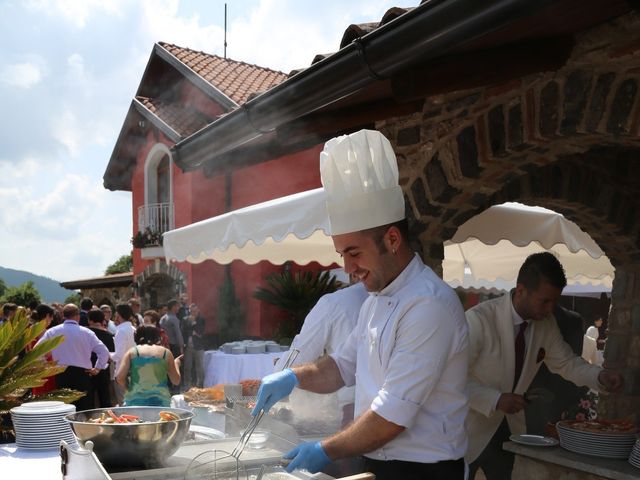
(568, 140)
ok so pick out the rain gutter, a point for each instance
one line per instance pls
(428, 31)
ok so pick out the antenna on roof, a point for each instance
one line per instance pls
(225, 31)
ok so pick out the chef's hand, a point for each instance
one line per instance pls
(273, 388)
(510, 403)
(308, 456)
(611, 381)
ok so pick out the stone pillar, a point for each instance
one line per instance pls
(622, 350)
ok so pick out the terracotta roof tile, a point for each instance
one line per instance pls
(237, 80)
(184, 120)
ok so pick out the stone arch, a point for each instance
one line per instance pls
(568, 140)
(158, 277)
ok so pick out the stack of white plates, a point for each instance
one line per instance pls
(634, 458)
(41, 425)
(608, 444)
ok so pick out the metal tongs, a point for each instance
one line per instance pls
(206, 464)
(253, 423)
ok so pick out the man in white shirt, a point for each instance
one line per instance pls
(407, 355)
(75, 353)
(123, 341)
(509, 338)
(325, 329)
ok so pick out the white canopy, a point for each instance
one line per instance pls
(491, 246)
(293, 228)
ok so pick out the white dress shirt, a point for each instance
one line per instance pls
(123, 341)
(79, 342)
(408, 359)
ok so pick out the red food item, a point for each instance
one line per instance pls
(603, 426)
(250, 387)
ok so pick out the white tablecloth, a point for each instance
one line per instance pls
(226, 368)
(19, 463)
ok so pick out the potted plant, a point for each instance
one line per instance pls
(147, 238)
(22, 368)
(297, 293)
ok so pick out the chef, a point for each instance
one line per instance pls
(407, 355)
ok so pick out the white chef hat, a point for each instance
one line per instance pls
(359, 173)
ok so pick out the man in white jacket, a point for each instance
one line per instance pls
(407, 355)
(325, 328)
(509, 338)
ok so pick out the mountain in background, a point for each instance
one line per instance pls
(49, 289)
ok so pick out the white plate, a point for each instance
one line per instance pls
(534, 440)
(42, 405)
(64, 408)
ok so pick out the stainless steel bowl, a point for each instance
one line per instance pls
(132, 444)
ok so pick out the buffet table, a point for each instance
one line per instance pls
(19, 463)
(228, 368)
(551, 463)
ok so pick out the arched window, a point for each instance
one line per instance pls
(157, 212)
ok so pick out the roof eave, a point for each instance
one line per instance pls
(428, 31)
(160, 124)
(195, 78)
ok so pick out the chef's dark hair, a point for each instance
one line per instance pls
(377, 233)
(147, 335)
(542, 266)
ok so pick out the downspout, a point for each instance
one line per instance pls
(428, 31)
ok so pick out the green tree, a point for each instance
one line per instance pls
(73, 298)
(3, 287)
(230, 315)
(24, 294)
(123, 265)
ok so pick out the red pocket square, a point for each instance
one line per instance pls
(540, 356)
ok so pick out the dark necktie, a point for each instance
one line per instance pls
(520, 346)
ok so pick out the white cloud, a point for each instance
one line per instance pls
(75, 12)
(21, 75)
(159, 22)
(56, 218)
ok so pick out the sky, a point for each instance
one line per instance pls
(68, 72)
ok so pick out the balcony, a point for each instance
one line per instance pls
(153, 220)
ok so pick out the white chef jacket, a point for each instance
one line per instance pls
(407, 357)
(328, 324)
(326, 327)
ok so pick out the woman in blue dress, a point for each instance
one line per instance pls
(148, 367)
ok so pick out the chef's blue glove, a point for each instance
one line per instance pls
(308, 456)
(274, 387)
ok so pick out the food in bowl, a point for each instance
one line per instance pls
(110, 417)
(146, 442)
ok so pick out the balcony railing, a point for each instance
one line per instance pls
(155, 218)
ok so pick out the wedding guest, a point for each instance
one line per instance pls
(44, 312)
(75, 353)
(148, 365)
(123, 340)
(101, 383)
(151, 317)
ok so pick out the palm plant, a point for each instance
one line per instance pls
(22, 369)
(297, 293)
